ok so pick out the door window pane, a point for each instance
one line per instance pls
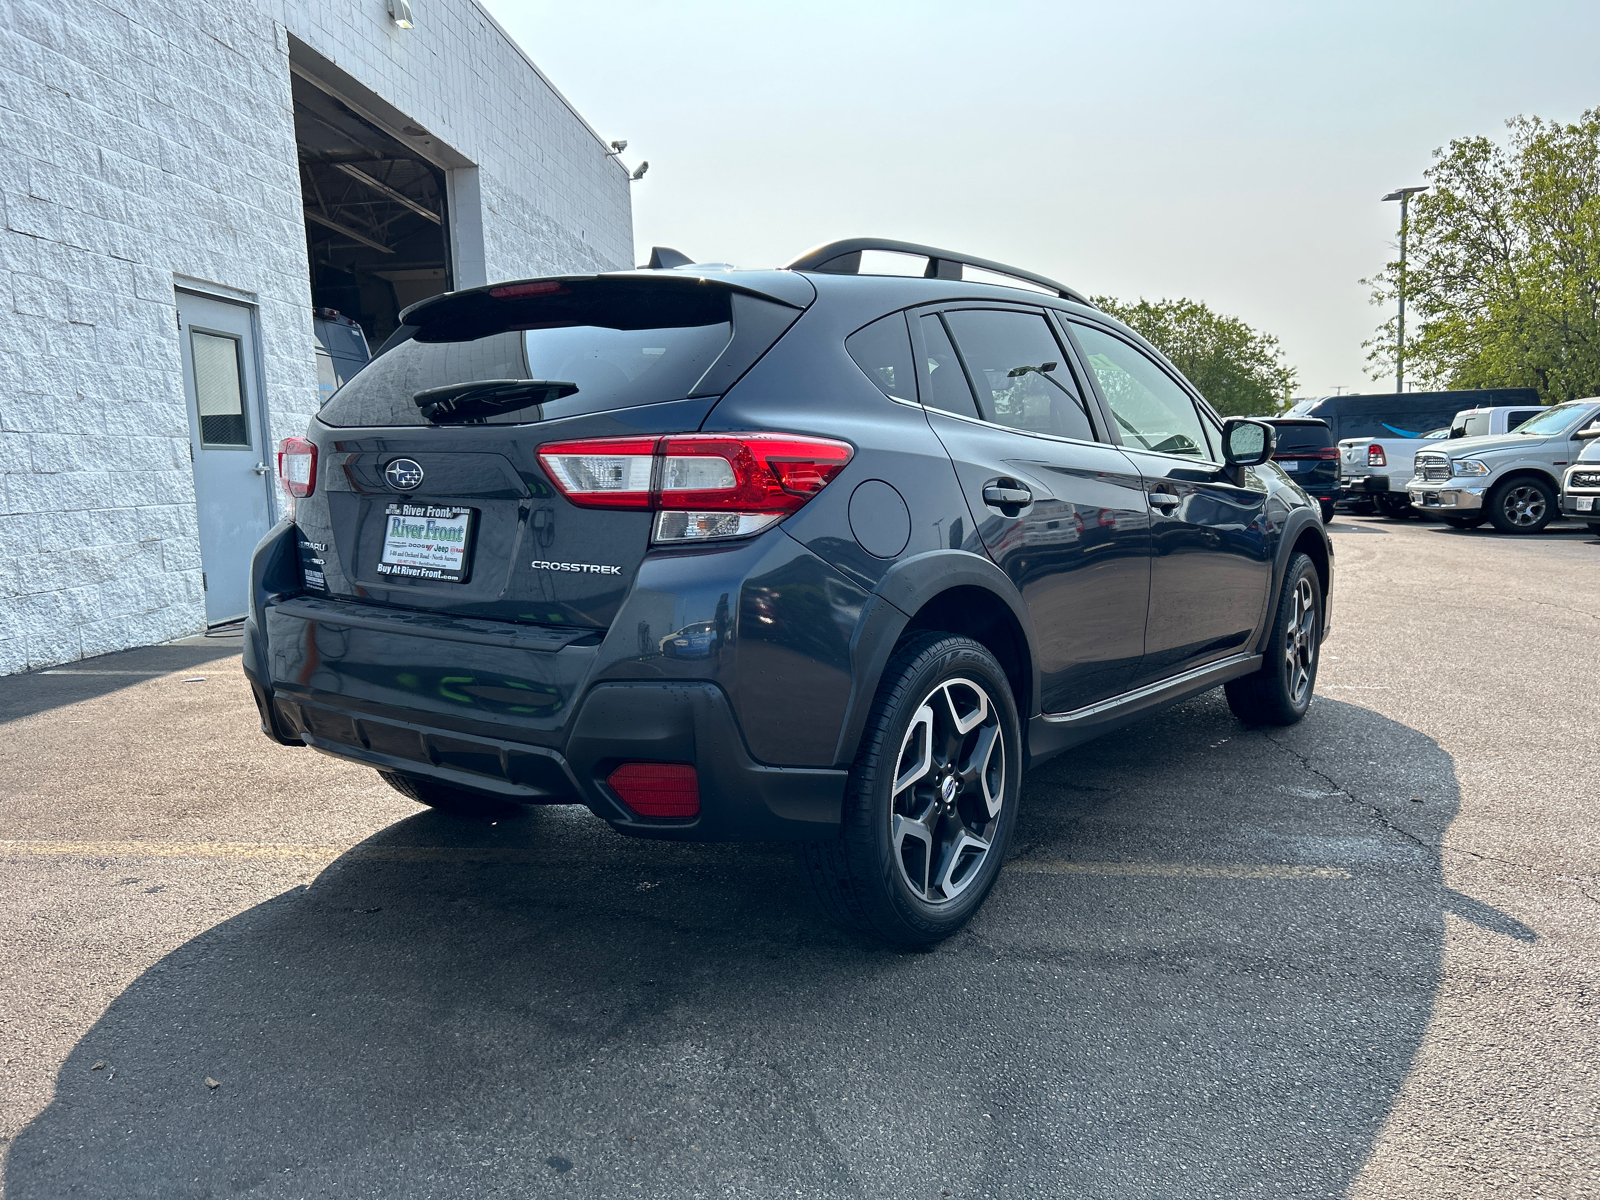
(947, 385)
(1020, 373)
(883, 351)
(218, 389)
(1152, 411)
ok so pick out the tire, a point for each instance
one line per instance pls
(912, 864)
(1280, 692)
(1327, 510)
(458, 802)
(1463, 522)
(1525, 504)
(1594, 528)
(1395, 507)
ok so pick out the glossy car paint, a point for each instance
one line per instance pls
(532, 684)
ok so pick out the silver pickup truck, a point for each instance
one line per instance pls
(1513, 480)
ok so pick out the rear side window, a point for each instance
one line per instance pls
(1303, 439)
(947, 384)
(883, 351)
(1020, 372)
(1477, 424)
(1517, 418)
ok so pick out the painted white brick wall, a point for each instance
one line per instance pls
(147, 144)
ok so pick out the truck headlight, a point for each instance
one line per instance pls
(1468, 466)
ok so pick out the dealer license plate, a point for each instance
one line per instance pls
(427, 541)
(1583, 503)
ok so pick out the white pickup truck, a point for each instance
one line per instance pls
(1513, 479)
(1378, 469)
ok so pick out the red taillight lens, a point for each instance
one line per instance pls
(1376, 457)
(297, 467)
(654, 789)
(1325, 452)
(720, 485)
(768, 473)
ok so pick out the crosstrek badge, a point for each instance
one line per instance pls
(540, 564)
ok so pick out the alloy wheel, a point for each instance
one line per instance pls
(949, 785)
(1300, 650)
(1524, 506)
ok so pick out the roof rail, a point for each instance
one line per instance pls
(844, 258)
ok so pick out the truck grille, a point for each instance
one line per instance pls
(1584, 479)
(1433, 468)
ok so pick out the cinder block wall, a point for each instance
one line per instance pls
(150, 145)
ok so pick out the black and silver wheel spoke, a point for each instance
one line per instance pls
(949, 787)
(1300, 640)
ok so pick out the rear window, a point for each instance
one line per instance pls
(612, 346)
(1300, 439)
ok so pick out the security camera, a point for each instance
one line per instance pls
(618, 147)
(638, 173)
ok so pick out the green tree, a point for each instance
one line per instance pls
(1503, 271)
(1240, 370)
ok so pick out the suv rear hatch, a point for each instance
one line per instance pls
(429, 494)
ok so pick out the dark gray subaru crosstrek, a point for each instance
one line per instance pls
(803, 554)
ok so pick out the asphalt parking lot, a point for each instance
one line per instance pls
(1359, 957)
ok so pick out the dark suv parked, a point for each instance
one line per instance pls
(1307, 451)
(801, 554)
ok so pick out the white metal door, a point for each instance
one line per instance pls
(232, 473)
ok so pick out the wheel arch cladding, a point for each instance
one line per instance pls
(977, 613)
(977, 596)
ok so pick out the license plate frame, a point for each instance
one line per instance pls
(431, 542)
(1583, 503)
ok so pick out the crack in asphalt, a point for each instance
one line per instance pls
(1340, 789)
(1382, 818)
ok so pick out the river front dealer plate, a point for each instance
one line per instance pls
(427, 541)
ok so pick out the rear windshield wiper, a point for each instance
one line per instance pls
(480, 399)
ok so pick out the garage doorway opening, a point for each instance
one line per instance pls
(376, 219)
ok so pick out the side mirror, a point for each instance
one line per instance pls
(1247, 443)
(1589, 431)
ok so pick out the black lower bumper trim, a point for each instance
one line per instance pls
(740, 799)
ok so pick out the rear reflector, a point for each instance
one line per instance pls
(655, 789)
(297, 466)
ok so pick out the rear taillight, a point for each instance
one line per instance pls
(702, 485)
(1375, 457)
(1325, 452)
(655, 789)
(297, 467)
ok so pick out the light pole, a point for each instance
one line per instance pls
(1404, 196)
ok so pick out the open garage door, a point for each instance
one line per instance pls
(375, 215)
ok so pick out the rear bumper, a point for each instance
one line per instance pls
(1446, 497)
(1353, 486)
(559, 749)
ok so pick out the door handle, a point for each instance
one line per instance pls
(1165, 501)
(996, 495)
(261, 468)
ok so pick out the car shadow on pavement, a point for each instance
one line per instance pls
(1205, 972)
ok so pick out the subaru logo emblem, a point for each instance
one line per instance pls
(403, 474)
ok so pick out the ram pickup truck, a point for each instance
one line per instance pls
(1513, 480)
(1377, 469)
(1580, 492)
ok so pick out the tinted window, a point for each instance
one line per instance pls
(1302, 439)
(613, 368)
(883, 351)
(1019, 371)
(1517, 418)
(947, 385)
(1152, 411)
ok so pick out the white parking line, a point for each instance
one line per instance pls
(294, 852)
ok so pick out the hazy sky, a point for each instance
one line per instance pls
(1233, 153)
